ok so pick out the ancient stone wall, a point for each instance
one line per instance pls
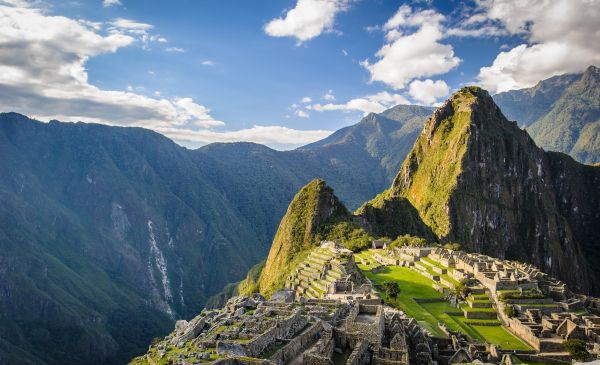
(524, 333)
(281, 330)
(297, 344)
(359, 355)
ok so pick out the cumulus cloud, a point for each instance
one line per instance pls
(209, 63)
(306, 99)
(301, 113)
(109, 3)
(307, 20)
(328, 95)
(375, 103)
(560, 36)
(428, 91)
(43, 73)
(413, 49)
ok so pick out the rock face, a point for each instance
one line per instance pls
(314, 206)
(478, 179)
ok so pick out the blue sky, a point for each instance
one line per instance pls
(283, 73)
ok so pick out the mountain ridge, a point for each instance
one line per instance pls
(158, 226)
(561, 113)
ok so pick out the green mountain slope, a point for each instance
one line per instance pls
(109, 234)
(312, 208)
(561, 114)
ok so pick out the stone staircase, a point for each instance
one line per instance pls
(315, 273)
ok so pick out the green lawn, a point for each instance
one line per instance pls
(415, 285)
(517, 360)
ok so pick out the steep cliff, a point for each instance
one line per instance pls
(476, 178)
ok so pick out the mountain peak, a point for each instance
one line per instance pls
(312, 207)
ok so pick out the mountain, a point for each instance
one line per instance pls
(561, 113)
(472, 177)
(378, 136)
(110, 234)
(314, 206)
(478, 179)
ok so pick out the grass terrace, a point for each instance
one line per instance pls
(419, 300)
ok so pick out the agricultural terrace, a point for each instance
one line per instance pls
(421, 301)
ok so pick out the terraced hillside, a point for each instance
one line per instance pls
(424, 283)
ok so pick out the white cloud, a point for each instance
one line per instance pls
(301, 113)
(306, 99)
(428, 91)
(209, 63)
(140, 31)
(478, 31)
(561, 36)
(175, 49)
(375, 103)
(130, 25)
(43, 74)
(307, 20)
(344, 52)
(328, 95)
(274, 136)
(109, 3)
(410, 53)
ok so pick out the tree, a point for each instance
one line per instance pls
(577, 349)
(392, 289)
(461, 291)
(454, 246)
(509, 310)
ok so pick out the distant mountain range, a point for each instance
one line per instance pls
(561, 113)
(109, 234)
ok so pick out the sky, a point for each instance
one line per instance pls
(282, 73)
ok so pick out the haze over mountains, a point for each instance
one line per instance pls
(109, 234)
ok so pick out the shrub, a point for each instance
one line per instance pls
(392, 289)
(462, 290)
(577, 349)
(408, 240)
(509, 310)
(452, 246)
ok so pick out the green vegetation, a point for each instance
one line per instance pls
(517, 360)
(577, 349)
(515, 294)
(354, 237)
(510, 311)
(436, 161)
(392, 289)
(454, 246)
(408, 240)
(314, 206)
(419, 300)
(461, 290)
